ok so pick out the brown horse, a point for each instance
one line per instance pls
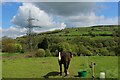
(64, 58)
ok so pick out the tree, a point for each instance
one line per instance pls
(65, 46)
(83, 51)
(43, 44)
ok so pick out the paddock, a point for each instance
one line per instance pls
(47, 67)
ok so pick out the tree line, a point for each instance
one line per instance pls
(48, 44)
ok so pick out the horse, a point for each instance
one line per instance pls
(64, 58)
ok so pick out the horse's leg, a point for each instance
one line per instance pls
(60, 68)
(67, 66)
(65, 69)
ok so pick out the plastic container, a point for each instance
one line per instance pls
(82, 73)
(102, 74)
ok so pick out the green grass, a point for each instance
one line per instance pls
(9, 54)
(0, 65)
(39, 67)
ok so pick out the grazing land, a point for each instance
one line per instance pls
(48, 67)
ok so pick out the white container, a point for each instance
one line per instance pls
(102, 75)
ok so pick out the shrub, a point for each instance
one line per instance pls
(12, 48)
(47, 53)
(55, 54)
(74, 53)
(104, 51)
(40, 53)
(87, 53)
(18, 47)
(54, 47)
(81, 50)
(65, 46)
(99, 45)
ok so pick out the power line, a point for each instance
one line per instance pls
(30, 29)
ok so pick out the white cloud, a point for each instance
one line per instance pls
(92, 19)
(43, 19)
(13, 32)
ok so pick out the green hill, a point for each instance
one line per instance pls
(94, 40)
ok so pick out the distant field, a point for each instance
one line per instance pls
(40, 67)
(71, 33)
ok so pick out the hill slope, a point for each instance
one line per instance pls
(95, 40)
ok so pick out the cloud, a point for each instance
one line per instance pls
(66, 8)
(43, 19)
(77, 13)
(91, 19)
(13, 32)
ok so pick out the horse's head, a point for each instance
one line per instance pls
(60, 49)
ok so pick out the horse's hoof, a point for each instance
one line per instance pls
(60, 74)
(67, 72)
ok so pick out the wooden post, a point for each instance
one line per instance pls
(92, 69)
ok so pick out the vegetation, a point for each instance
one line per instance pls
(40, 53)
(40, 67)
(86, 42)
(96, 40)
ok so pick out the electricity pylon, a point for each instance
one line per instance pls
(30, 29)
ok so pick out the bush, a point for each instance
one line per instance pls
(40, 53)
(65, 46)
(74, 53)
(104, 51)
(54, 47)
(55, 54)
(18, 47)
(47, 53)
(87, 53)
(81, 50)
(12, 48)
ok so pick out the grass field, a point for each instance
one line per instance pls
(48, 66)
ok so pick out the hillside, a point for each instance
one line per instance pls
(95, 40)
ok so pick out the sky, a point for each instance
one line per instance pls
(55, 15)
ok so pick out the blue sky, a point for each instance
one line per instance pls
(110, 9)
(106, 12)
(9, 9)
